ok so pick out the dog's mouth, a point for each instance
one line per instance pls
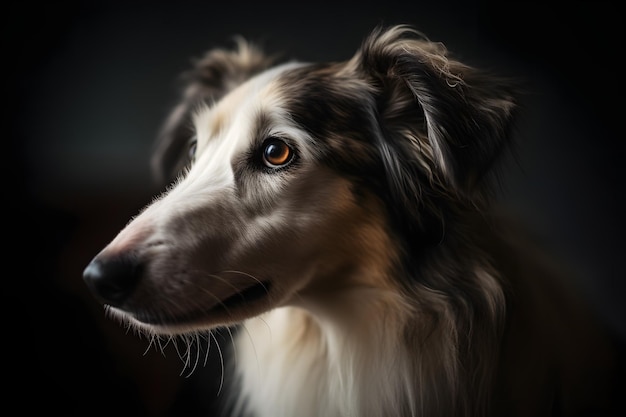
(248, 295)
(233, 308)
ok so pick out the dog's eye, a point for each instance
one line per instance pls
(276, 153)
(191, 152)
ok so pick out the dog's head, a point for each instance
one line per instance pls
(297, 179)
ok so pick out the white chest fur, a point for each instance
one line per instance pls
(290, 365)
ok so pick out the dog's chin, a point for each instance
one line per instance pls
(249, 302)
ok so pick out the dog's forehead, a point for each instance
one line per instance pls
(241, 106)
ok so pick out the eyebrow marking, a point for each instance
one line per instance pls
(218, 123)
(209, 122)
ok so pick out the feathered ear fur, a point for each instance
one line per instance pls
(211, 78)
(441, 118)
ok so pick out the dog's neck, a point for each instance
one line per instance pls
(350, 362)
(290, 363)
(365, 351)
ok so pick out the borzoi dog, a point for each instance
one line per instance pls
(341, 216)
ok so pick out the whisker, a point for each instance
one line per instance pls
(180, 355)
(197, 355)
(208, 292)
(233, 271)
(221, 363)
(201, 288)
(151, 343)
(232, 342)
(208, 349)
(200, 272)
(161, 346)
(256, 355)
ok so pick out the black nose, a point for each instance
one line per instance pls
(112, 280)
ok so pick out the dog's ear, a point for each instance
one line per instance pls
(439, 116)
(211, 78)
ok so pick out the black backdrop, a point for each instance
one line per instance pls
(89, 83)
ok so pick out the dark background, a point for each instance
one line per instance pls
(87, 85)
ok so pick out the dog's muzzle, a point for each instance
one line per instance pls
(114, 279)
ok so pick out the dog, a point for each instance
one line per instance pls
(342, 217)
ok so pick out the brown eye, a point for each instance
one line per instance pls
(276, 153)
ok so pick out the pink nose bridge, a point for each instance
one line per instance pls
(131, 237)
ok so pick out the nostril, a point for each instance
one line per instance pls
(112, 280)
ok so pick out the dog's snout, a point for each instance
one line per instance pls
(113, 279)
